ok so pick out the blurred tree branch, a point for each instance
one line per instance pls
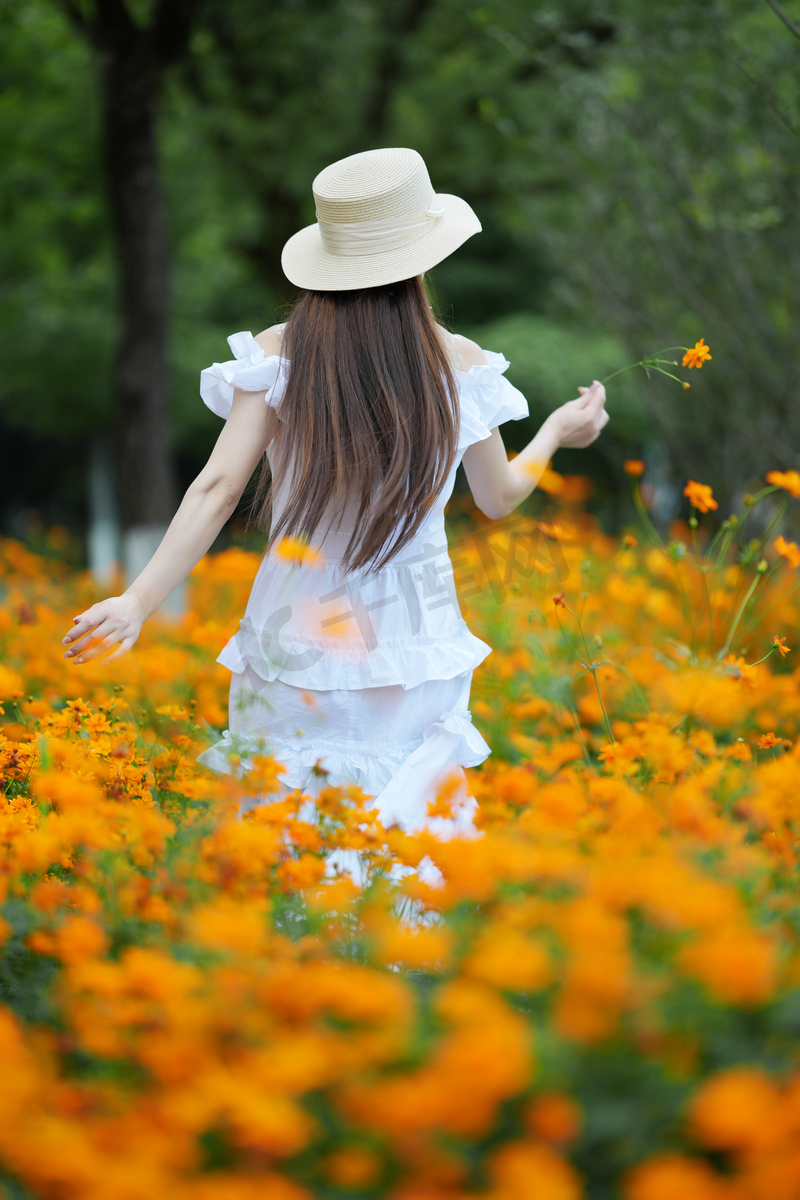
(787, 20)
(769, 97)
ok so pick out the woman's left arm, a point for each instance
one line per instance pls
(209, 501)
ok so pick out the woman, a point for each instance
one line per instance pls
(353, 662)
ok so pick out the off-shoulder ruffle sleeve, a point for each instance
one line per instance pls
(251, 370)
(487, 399)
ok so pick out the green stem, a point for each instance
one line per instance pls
(702, 568)
(587, 756)
(726, 648)
(780, 601)
(587, 667)
(574, 649)
(658, 541)
(645, 363)
(776, 519)
(765, 491)
(621, 371)
(668, 374)
(606, 722)
(643, 699)
(644, 517)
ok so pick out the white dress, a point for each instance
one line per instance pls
(365, 675)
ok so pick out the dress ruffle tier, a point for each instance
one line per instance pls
(313, 664)
(391, 775)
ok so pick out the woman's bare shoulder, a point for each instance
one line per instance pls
(462, 352)
(270, 339)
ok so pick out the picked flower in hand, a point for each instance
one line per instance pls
(694, 356)
(697, 355)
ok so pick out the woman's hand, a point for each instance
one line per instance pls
(116, 620)
(578, 422)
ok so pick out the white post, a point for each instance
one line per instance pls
(139, 544)
(104, 532)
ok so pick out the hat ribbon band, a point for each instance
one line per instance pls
(370, 237)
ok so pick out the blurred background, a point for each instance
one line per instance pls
(635, 167)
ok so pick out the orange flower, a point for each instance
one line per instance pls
(528, 1169)
(352, 1167)
(12, 685)
(698, 354)
(767, 740)
(550, 481)
(788, 550)
(780, 643)
(736, 667)
(788, 480)
(296, 550)
(737, 965)
(669, 1175)
(740, 1108)
(700, 496)
(634, 467)
(553, 1117)
(508, 959)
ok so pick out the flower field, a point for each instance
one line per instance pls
(602, 998)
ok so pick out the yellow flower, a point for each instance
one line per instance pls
(700, 496)
(697, 355)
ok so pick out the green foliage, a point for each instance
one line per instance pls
(55, 327)
(635, 171)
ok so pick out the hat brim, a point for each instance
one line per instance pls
(307, 264)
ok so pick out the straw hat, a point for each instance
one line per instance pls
(378, 221)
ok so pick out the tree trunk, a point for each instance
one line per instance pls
(130, 83)
(132, 58)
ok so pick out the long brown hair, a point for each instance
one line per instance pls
(370, 415)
